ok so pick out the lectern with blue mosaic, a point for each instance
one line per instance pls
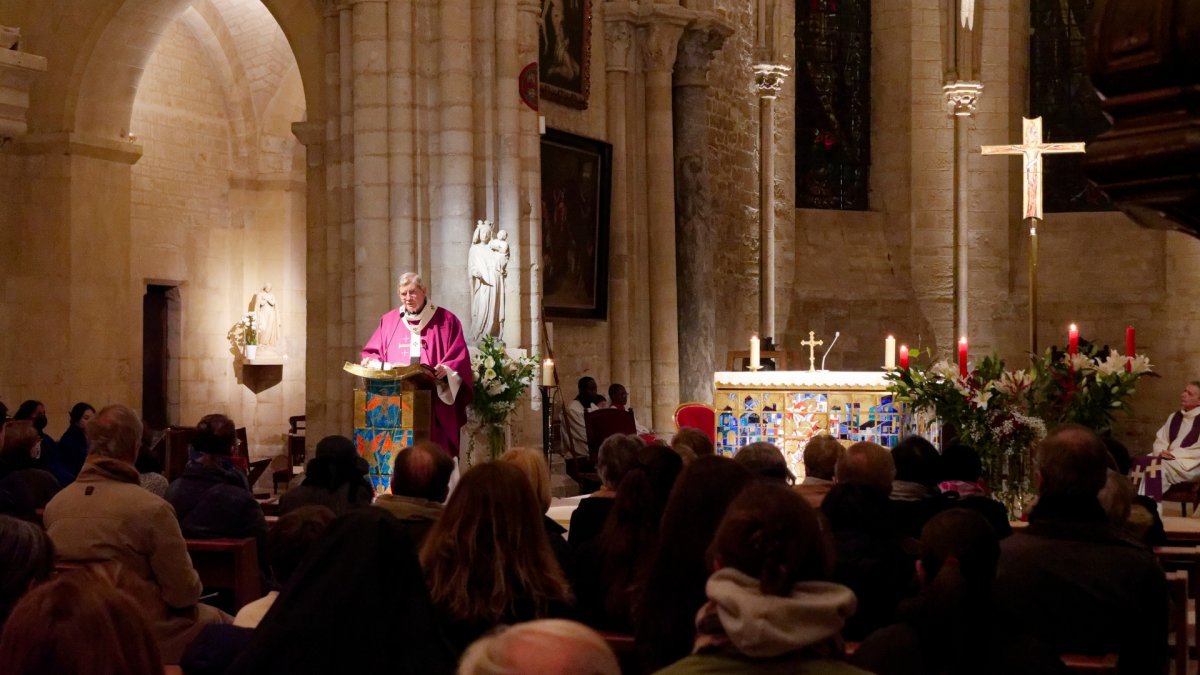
(392, 410)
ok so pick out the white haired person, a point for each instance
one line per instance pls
(546, 646)
(419, 331)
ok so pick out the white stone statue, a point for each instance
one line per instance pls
(487, 265)
(266, 316)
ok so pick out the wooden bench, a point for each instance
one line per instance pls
(228, 564)
(1090, 665)
(1187, 492)
(1182, 561)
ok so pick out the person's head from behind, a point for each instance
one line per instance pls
(618, 454)
(1116, 497)
(588, 390)
(961, 463)
(868, 465)
(114, 433)
(533, 465)
(618, 395)
(215, 436)
(765, 460)
(81, 414)
(959, 553)
(1119, 453)
(22, 444)
(26, 558)
(293, 536)
(692, 443)
(34, 411)
(1072, 462)
(916, 461)
(423, 472)
(821, 455)
(491, 536)
(78, 623)
(770, 534)
(546, 647)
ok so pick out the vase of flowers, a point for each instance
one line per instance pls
(500, 381)
(1002, 413)
(250, 336)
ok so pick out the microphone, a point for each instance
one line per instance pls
(383, 354)
(836, 335)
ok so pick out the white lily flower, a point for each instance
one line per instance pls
(489, 362)
(1079, 362)
(1140, 364)
(944, 369)
(1013, 382)
(981, 398)
(489, 374)
(1112, 365)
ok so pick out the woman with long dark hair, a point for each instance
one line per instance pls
(28, 487)
(72, 445)
(664, 624)
(487, 559)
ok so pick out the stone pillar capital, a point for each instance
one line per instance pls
(699, 43)
(331, 7)
(310, 132)
(962, 97)
(659, 32)
(619, 33)
(768, 79)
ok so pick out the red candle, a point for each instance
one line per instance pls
(1073, 340)
(904, 357)
(1130, 352)
(962, 357)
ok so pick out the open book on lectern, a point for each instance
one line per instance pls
(418, 372)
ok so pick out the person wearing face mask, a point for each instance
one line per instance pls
(419, 331)
(35, 411)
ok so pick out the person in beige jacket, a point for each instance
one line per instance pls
(107, 518)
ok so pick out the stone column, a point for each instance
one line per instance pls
(619, 32)
(768, 80)
(530, 202)
(961, 99)
(508, 160)
(372, 271)
(311, 134)
(659, 44)
(401, 141)
(694, 230)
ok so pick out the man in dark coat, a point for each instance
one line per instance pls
(1070, 578)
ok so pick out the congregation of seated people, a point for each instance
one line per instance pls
(684, 560)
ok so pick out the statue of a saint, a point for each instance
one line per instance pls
(266, 316)
(487, 265)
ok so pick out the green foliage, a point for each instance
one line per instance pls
(500, 381)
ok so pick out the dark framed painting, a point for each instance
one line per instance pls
(576, 189)
(565, 51)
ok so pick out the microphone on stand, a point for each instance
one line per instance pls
(836, 335)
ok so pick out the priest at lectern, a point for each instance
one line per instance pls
(420, 332)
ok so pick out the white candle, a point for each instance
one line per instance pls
(548, 373)
(889, 353)
(755, 363)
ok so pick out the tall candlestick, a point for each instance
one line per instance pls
(904, 357)
(1130, 350)
(755, 363)
(962, 357)
(548, 373)
(889, 353)
(1073, 340)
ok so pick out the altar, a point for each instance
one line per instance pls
(788, 408)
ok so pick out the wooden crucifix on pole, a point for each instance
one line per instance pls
(1031, 149)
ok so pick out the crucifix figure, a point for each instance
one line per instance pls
(812, 343)
(1032, 149)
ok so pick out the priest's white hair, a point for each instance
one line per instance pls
(411, 279)
(550, 646)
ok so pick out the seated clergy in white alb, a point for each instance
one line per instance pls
(1178, 441)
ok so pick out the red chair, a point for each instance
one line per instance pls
(606, 422)
(698, 416)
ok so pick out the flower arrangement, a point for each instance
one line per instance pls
(1003, 413)
(500, 381)
(244, 332)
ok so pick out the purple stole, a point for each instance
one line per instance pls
(1173, 431)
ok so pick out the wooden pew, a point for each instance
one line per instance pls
(228, 564)
(1090, 665)
(1182, 531)
(1184, 560)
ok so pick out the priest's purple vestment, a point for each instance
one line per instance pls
(442, 343)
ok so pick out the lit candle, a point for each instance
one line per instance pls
(548, 373)
(962, 357)
(1073, 340)
(1130, 351)
(755, 364)
(904, 357)
(889, 353)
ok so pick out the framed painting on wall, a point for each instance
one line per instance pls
(565, 51)
(576, 189)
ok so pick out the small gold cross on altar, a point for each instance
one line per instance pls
(1032, 149)
(812, 343)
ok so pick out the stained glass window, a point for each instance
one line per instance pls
(833, 103)
(1059, 91)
